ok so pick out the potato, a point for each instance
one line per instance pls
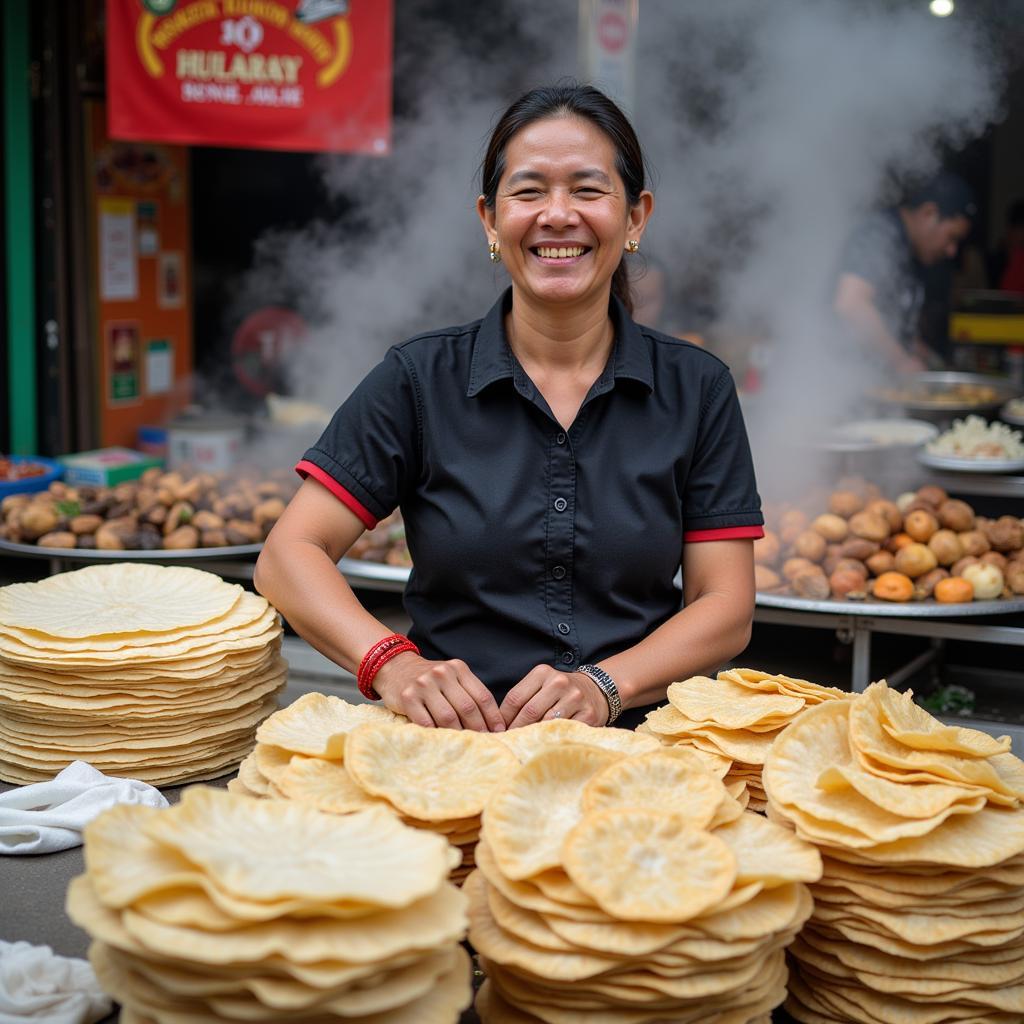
(920, 525)
(957, 568)
(845, 581)
(924, 585)
(242, 531)
(870, 526)
(811, 584)
(986, 579)
(897, 541)
(858, 547)
(58, 539)
(266, 513)
(956, 515)
(791, 523)
(946, 546)
(889, 511)
(794, 566)
(881, 561)
(1005, 534)
(832, 527)
(915, 560)
(845, 503)
(206, 520)
(767, 548)
(1015, 576)
(182, 537)
(809, 545)
(108, 539)
(85, 524)
(852, 565)
(14, 501)
(935, 496)
(905, 500)
(955, 590)
(893, 586)
(994, 558)
(219, 539)
(974, 542)
(37, 518)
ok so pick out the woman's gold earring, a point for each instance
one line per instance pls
(494, 252)
(633, 245)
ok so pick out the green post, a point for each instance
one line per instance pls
(19, 243)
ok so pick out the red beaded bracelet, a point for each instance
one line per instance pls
(376, 657)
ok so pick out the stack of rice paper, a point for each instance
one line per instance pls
(735, 718)
(632, 888)
(225, 908)
(154, 672)
(919, 915)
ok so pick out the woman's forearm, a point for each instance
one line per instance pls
(304, 584)
(695, 641)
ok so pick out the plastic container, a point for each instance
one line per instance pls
(31, 484)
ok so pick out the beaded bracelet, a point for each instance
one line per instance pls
(607, 686)
(378, 656)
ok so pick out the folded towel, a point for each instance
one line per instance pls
(49, 816)
(36, 985)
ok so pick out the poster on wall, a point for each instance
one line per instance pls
(306, 75)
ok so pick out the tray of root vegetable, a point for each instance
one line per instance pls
(161, 515)
(855, 551)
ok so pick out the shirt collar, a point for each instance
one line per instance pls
(492, 358)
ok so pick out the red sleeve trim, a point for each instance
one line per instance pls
(306, 468)
(724, 533)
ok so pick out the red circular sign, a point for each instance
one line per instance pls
(263, 343)
(612, 31)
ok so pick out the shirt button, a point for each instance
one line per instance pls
(568, 658)
(558, 572)
(559, 438)
(561, 504)
(563, 628)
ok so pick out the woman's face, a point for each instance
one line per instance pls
(561, 217)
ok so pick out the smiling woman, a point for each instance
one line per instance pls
(555, 464)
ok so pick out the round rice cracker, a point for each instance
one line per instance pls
(316, 724)
(731, 705)
(645, 865)
(812, 693)
(431, 774)
(270, 850)
(766, 852)
(326, 785)
(529, 740)
(659, 781)
(529, 814)
(441, 1004)
(248, 609)
(818, 744)
(124, 597)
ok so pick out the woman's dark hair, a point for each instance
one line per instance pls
(570, 99)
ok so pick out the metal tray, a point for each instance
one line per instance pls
(156, 555)
(374, 575)
(963, 464)
(1004, 388)
(892, 609)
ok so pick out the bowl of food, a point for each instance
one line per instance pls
(26, 474)
(971, 445)
(940, 395)
(1013, 412)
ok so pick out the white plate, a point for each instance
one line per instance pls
(871, 435)
(1008, 415)
(962, 464)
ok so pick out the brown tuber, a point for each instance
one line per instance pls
(956, 515)
(915, 560)
(845, 503)
(764, 578)
(924, 585)
(935, 496)
(845, 581)
(809, 545)
(869, 526)
(812, 584)
(920, 525)
(881, 561)
(832, 527)
(946, 546)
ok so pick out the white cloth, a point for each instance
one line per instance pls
(36, 985)
(49, 816)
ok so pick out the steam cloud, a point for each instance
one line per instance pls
(770, 127)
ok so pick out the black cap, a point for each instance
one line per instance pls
(949, 192)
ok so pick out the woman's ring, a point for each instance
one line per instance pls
(557, 714)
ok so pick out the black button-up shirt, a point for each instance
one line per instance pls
(532, 544)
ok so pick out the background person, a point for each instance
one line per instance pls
(880, 286)
(554, 463)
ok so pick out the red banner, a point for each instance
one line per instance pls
(311, 75)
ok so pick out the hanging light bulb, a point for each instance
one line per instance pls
(941, 8)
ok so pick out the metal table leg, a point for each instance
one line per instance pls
(860, 675)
